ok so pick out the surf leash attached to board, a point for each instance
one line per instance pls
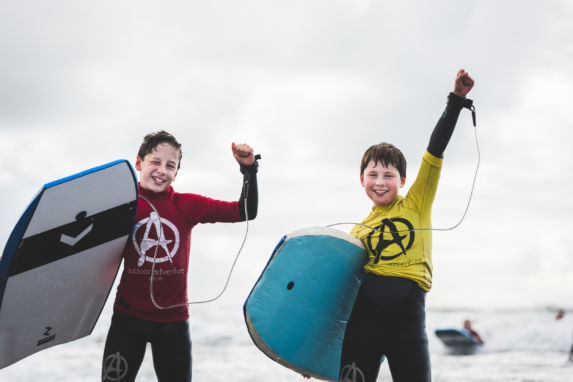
(468, 105)
(155, 303)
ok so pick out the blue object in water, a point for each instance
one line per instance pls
(458, 341)
(456, 337)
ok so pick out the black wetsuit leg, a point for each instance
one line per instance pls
(171, 348)
(125, 347)
(388, 318)
(408, 356)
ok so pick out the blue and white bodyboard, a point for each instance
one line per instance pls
(456, 337)
(61, 259)
(297, 311)
(458, 341)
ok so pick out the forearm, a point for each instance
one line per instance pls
(250, 192)
(446, 124)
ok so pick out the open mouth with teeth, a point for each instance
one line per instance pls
(380, 192)
(158, 180)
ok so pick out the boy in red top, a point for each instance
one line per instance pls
(162, 235)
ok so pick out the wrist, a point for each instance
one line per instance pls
(457, 101)
(251, 168)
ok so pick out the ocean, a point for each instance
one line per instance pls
(526, 345)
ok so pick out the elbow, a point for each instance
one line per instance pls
(252, 215)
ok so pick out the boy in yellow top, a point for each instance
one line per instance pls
(388, 317)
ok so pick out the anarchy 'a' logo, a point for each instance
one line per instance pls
(149, 244)
(114, 367)
(394, 235)
(351, 373)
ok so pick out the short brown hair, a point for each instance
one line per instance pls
(387, 154)
(150, 142)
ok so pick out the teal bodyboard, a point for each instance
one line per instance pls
(297, 311)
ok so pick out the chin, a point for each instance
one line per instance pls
(382, 203)
(155, 188)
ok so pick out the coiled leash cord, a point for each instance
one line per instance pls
(246, 193)
(468, 105)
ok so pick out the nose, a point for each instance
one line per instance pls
(161, 168)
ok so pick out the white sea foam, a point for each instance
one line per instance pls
(520, 345)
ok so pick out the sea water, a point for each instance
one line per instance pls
(520, 345)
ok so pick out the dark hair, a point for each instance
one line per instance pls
(387, 154)
(150, 142)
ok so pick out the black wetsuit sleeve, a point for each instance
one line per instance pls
(250, 191)
(446, 124)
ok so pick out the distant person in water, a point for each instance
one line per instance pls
(560, 315)
(468, 327)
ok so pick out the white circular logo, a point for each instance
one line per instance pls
(157, 242)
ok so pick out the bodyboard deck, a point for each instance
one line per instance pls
(60, 261)
(297, 311)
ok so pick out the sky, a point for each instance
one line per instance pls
(310, 85)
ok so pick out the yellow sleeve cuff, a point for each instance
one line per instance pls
(432, 160)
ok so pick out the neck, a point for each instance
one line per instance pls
(148, 192)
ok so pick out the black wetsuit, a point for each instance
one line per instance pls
(389, 315)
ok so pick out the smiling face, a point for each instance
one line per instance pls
(158, 169)
(381, 183)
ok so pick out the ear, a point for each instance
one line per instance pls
(138, 163)
(402, 182)
(362, 179)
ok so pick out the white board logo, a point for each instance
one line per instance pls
(156, 242)
(351, 373)
(114, 367)
(71, 241)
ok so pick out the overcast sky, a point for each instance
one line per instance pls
(310, 85)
